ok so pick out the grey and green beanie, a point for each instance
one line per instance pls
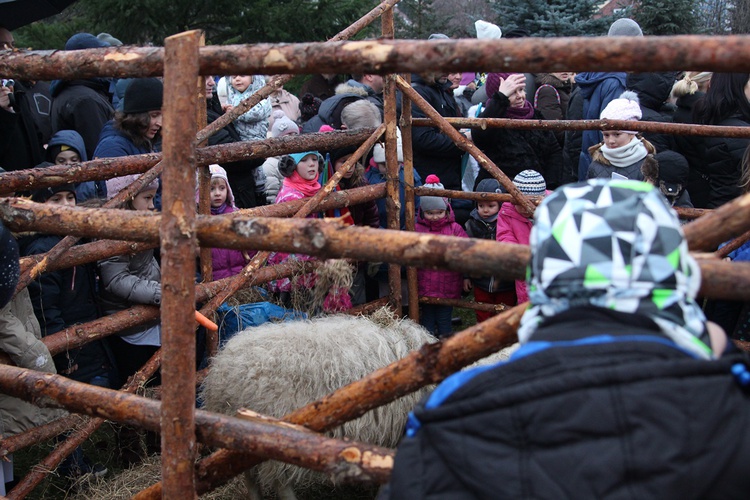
(614, 244)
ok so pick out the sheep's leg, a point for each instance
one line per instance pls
(284, 492)
(254, 491)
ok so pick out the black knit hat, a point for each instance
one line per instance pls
(9, 267)
(309, 106)
(336, 154)
(44, 194)
(673, 172)
(143, 95)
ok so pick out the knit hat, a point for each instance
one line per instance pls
(530, 183)
(673, 172)
(339, 153)
(438, 36)
(625, 27)
(282, 125)
(487, 30)
(288, 163)
(490, 186)
(117, 184)
(433, 202)
(143, 95)
(309, 106)
(616, 245)
(378, 152)
(492, 82)
(44, 194)
(625, 107)
(106, 37)
(81, 41)
(217, 172)
(467, 78)
(10, 269)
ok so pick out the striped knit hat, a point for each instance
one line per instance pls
(530, 183)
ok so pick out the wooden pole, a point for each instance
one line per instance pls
(409, 198)
(204, 176)
(178, 251)
(725, 54)
(464, 143)
(733, 245)
(466, 304)
(724, 223)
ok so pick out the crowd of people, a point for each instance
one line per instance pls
(71, 121)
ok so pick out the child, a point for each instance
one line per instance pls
(282, 126)
(131, 279)
(66, 147)
(225, 261)
(673, 173)
(436, 217)
(621, 153)
(483, 225)
(514, 222)
(67, 297)
(376, 174)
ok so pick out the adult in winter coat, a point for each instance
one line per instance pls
(653, 90)
(514, 151)
(726, 103)
(552, 96)
(608, 395)
(82, 105)
(21, 137)
(687, 93)
(330, 111)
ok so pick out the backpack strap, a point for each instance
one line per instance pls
(536, 94)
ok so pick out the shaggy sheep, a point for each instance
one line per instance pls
(276, 368)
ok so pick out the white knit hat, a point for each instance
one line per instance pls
(625, 107)
(378, 152)
(217, 172)
(487, 31)
(282, 125)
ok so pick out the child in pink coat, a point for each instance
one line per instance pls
(514, 223)
(436, 217)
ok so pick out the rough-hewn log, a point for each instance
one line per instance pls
(724, 223)
(464, 143)
(733, 245)
(106, 168)
(691, 213)
(466, 195)
(654, 127)
(39, 434)
(465, 304)
(412, 291)
(178, 251)
(344, 460)
(533, 55)
(368, 308)
(88, 252)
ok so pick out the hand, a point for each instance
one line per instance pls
(467, 285)
(227, 108)
(510, 85)
(373, 268)
(5, 99)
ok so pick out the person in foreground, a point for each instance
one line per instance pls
(620, 388)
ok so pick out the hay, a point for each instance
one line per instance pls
(330, 275)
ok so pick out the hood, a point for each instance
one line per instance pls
(330, 110)
(354, 87)
(652, 88)
(588, 82)
(100, 85)
(109, 131)
(70, 138)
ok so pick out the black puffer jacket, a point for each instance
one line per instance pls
(624, 418)
(691, 147)
(514, 151)
(435, 152)
(653, 91)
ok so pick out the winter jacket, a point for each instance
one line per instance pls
(84, 190)
(551, 100)
(20, 339)
(330, 112)
(437, 282)
(691, 148)
(513, 227)
(476, 227)
(641, 170)
(128, 280)
(514, 151)
(364, 214)
(83, 106)
(113, 143)
(286, 102)
(720, 165)
(274, 179)
(226, 261)
(21, 140)
(598, 405)
(374, 176)
(435, 152)
(573, 139)
(597, 90)
(653, 90)
(65, 298)
(252, 125)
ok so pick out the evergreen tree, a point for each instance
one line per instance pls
(666, 17)
(415, 19)
(552, 17)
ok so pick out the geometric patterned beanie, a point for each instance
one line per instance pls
(614, 244)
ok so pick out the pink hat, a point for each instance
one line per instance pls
(117, 184)
(625, 107)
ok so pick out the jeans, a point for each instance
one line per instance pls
(437, 319)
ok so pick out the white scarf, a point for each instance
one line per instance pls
(626, 155)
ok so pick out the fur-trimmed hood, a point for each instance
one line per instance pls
(350, 88)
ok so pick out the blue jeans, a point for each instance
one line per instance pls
(437, 319)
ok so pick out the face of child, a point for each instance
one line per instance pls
(616, 138)
(307, 168)
(67, 157)
(241, 82)
(154, 123)
(434, 215)
(340, 164)
(144, 200)
(65, 198)
(218, 192)
(487, 208)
